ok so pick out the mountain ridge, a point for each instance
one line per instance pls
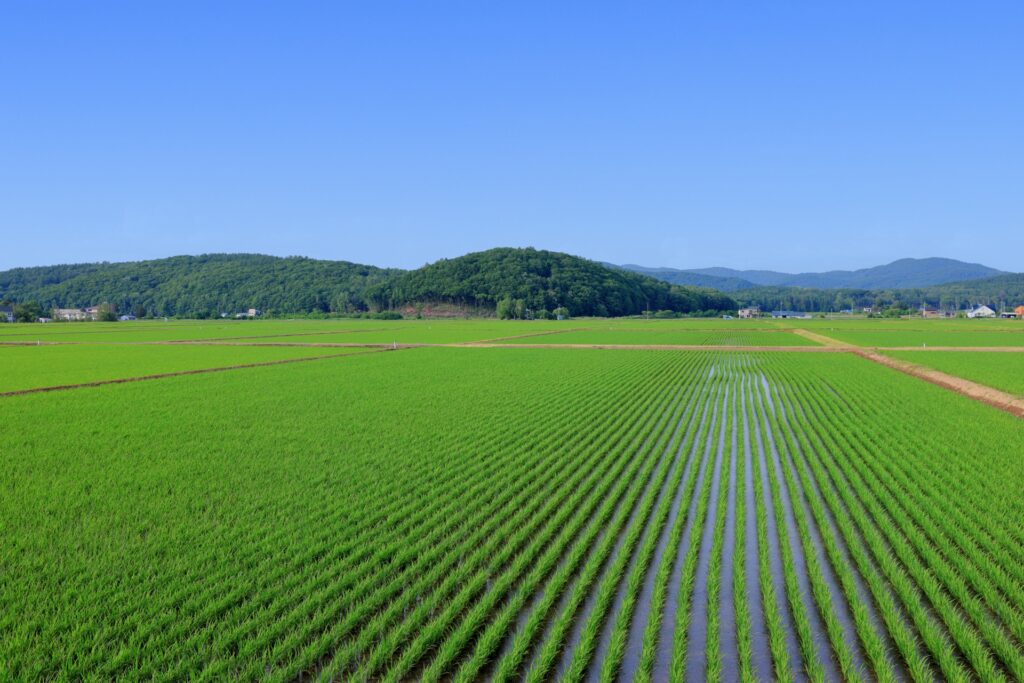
(905, 273)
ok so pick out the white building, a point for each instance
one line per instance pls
(752, 312)
(69, 314)
(981, 312)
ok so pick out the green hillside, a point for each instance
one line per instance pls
(200, 286)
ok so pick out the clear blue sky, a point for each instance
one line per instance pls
(785, 135)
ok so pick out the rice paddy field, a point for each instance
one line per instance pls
(32, 367)
(924, 338)
(737, 336)
(1003, 371)
(439, 508)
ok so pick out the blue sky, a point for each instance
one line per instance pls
(784, 135)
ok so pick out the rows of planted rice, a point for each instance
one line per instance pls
(284, 331)
(1003, 371)
(918, 324)
(30, 367)
(508, 514)
(736, 336)
(963, 337)
(159, 330)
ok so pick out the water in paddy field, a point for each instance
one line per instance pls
(740, 412)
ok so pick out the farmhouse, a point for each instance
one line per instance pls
(6, 314)
(981, 312)
(790, 314)
(752, 312)
(69, 314)
(929, 312)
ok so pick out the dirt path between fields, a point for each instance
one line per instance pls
(820, 338)
(979, 392)
(163, 375)
(965, 387)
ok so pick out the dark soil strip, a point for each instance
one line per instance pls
(696, 639)
(839, 606)
(774, 539)
(663, 658)
(761, 654)
(163, 375)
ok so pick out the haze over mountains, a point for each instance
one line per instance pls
(901, 274)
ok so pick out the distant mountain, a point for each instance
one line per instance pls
(902, 274)
(1000, 292)
(207, 285)
(690, 278)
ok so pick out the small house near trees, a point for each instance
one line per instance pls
(981, 312)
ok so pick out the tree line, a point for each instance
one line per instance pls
(215, 284)
(997, 292)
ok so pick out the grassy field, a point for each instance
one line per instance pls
(925, 337)
(1000, 370)
(502, 513)
(737, 336)
(28, 367)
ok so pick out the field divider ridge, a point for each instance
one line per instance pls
(176, 373)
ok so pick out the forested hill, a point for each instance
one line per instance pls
(199, 286)
(544, 280)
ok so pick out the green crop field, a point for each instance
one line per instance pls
(1000, 370)
(939, 336)
(738, 336)
(28, 367)
(534, 514)
(153, 331)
